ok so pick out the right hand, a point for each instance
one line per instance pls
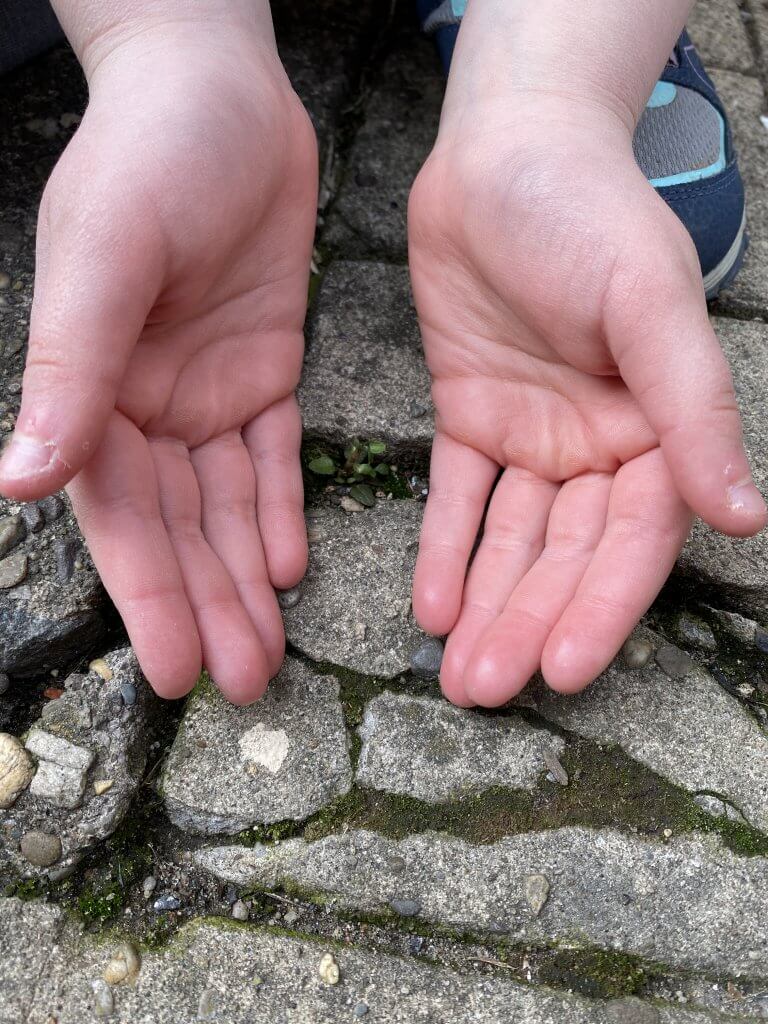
(174, 244)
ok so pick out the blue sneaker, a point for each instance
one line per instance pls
(683, 145)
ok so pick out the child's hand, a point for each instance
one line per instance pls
(166, 342)
(565, 327)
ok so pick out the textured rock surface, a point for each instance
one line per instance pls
(87, 734)
(284, 757)
(356, 597)
(673, 903)
(364, 372)
(209, 972)
(424, 748)
(687, 729)
(739, 568)
(718, 30)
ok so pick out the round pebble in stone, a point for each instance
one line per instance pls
(41, 848)
(167, 902)
(637, 652)
(405, 907)
(536, 888)
(208, 1006)
(103, 1000)
(761, 640)
(33, 518)
(427, 658)
(124, 965)
(16, 769)
(65, 552)
(631, 1011)
(5, 682)
(52, 507)
(13, 570)
(361, 1009)
(148, 886)
(328, 969)
(289, 598)
(695, 632)
(128, 693)
(101, 668)
(674, 662)
(239, 911)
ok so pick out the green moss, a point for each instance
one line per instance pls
(27, 888)
(273, 833)
(597, 973)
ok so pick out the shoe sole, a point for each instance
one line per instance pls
(728, 267)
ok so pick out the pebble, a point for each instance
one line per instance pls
(631, 1011)
(361, 1009)
(52, 508)
(16, 769)
(674, 662)
(103, 1000)
(417, 409)
(128, 693)
(761, 640)
(290, 918)
(5, 682)
(350, 505)
(148, 886)
(208, 1005)
(11, 532)
(396, 864)
(405, 907)
(40, 848)
(102, 785)
(289, 598)
(556, 770)
(33, 518)
(124, 965)
(101, 668)
(65, 552)
(329, 969)
(240, 910)
(13, 570)
(536, 890)
(695, 632)
(5, 280)
(167, 902)
(637, 652)
(427, 658)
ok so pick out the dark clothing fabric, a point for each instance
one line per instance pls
(27, 28)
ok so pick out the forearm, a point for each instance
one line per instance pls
(96, 27)
(605, 52)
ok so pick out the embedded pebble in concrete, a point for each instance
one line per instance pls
(424, 748)
(739, 567)
(695, 632)
(13, 570)
(40, 848)
(674, 903)
(363, 349)
(49, 970)
(283, 757)
(676, 663)
(16, 770)
(684, 727)
(427, 658)
(84, 739)
(359, 575)
(11, 532)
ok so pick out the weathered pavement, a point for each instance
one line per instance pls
(598, 859)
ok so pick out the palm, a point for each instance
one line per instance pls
(584, 521)
(192, 502)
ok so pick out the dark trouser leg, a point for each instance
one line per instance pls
(27, 28)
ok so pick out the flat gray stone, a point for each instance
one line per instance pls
(738, 568)
(284, 757)
(398, 130)
(355, 608)
(676, 904)
(745, 101)
(424, 748)
(364, 371)
(209, 972)
(718, 30)
(85, 736)
(687, 729)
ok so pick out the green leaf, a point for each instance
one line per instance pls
(376, 447)
(323, 465)
(363, 494)
(383, 469)
(365, 470)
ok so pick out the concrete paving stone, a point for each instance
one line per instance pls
(738, 569)
(364, 371)
(355, 606)
(745, 101)
(244, 975)
(687, 729)
(424, 748)
(688, 904)
(718, 30)
(89, 734)
(284, 757)
(398, 130)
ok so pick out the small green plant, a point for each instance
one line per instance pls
(363, 467)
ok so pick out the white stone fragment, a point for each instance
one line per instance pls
(261, 747)
(48, 747)
(16, 770)
(58, 784)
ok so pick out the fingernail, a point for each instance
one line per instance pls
(746, 498)
(25, 456)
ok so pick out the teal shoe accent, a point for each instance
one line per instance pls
(663, 94)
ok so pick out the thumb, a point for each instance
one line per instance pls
(95, 285)
(659, 332)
